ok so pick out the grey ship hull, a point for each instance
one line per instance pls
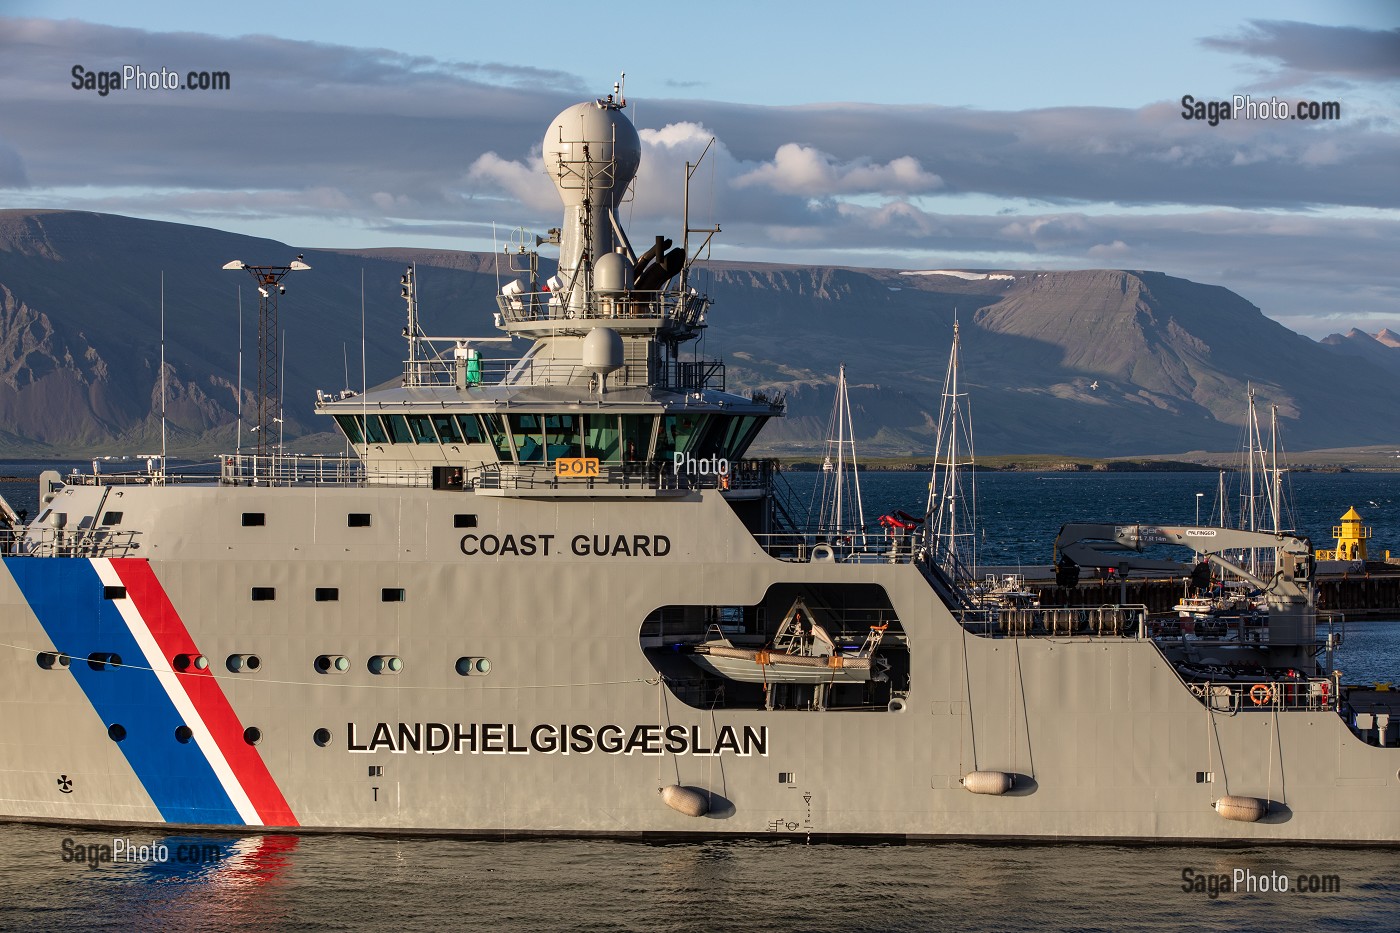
(1106, 740)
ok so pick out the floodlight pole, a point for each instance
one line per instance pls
(269, 399)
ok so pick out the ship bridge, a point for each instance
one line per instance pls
(606, 400)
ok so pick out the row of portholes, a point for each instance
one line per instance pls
(98, 660)
(102, 660)
(183, 734)
(239, 663)
(378, 664)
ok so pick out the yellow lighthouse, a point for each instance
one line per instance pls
(1351, 538)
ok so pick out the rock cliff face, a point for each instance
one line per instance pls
(1096, 362)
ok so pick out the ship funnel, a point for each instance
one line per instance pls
(592, 152)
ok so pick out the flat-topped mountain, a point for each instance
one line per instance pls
(1095, 362)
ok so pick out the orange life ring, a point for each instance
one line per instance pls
(1260, 694)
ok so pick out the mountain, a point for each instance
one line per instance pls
(1381, 349)
(1095, 362)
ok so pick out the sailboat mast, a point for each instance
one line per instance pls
(834, 497)
(945, 494)
(855, 470)
(840, 447)
(1275, 499)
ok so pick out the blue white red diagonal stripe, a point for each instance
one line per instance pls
(215, 778)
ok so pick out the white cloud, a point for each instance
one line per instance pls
(809, 172)
(526, 182)
(1115, 250)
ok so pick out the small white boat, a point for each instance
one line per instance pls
(801, 653)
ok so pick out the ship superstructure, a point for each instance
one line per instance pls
(549, 594)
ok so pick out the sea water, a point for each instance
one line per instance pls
(345, 881)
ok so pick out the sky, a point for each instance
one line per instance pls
(943, 135)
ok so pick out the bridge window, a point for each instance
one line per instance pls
(636, 437)
(350, 426)
(602, 433)
(727, 436)
(561, 436)
(422, 428)
(397, 428)
(446, 426)
(678, 434)
(495, 428)
(529, 442)
(374, 431)
(471, 429)
(615, 438)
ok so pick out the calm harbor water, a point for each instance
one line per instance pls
(316, 883)
(334, 882)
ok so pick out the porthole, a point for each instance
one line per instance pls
(391, 594)
(385, 664)
(103, 660)
(332, 664)
(358, 520)
(321, 737)
(116, 732)
(53, 661)
(239, 663)
(252, 735)
(183, 734)
(263, 594)
(114, 592)
(469, 666)
(254, 519)
(327, 594)
(184, 662)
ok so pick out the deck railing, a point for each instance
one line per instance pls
(685, 310)
(42, 541)
(1315, 694)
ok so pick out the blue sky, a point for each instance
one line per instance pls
(943, 135)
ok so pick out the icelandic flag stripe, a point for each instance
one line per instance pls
(66, 597)
(214, 778)
(219, 732)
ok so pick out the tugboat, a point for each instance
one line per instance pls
(490, 620)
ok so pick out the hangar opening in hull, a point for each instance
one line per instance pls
(803, 647)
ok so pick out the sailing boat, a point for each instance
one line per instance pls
(1262, 506)
(841, 517)
(949, 518)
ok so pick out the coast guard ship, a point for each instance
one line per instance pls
(550, 595)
